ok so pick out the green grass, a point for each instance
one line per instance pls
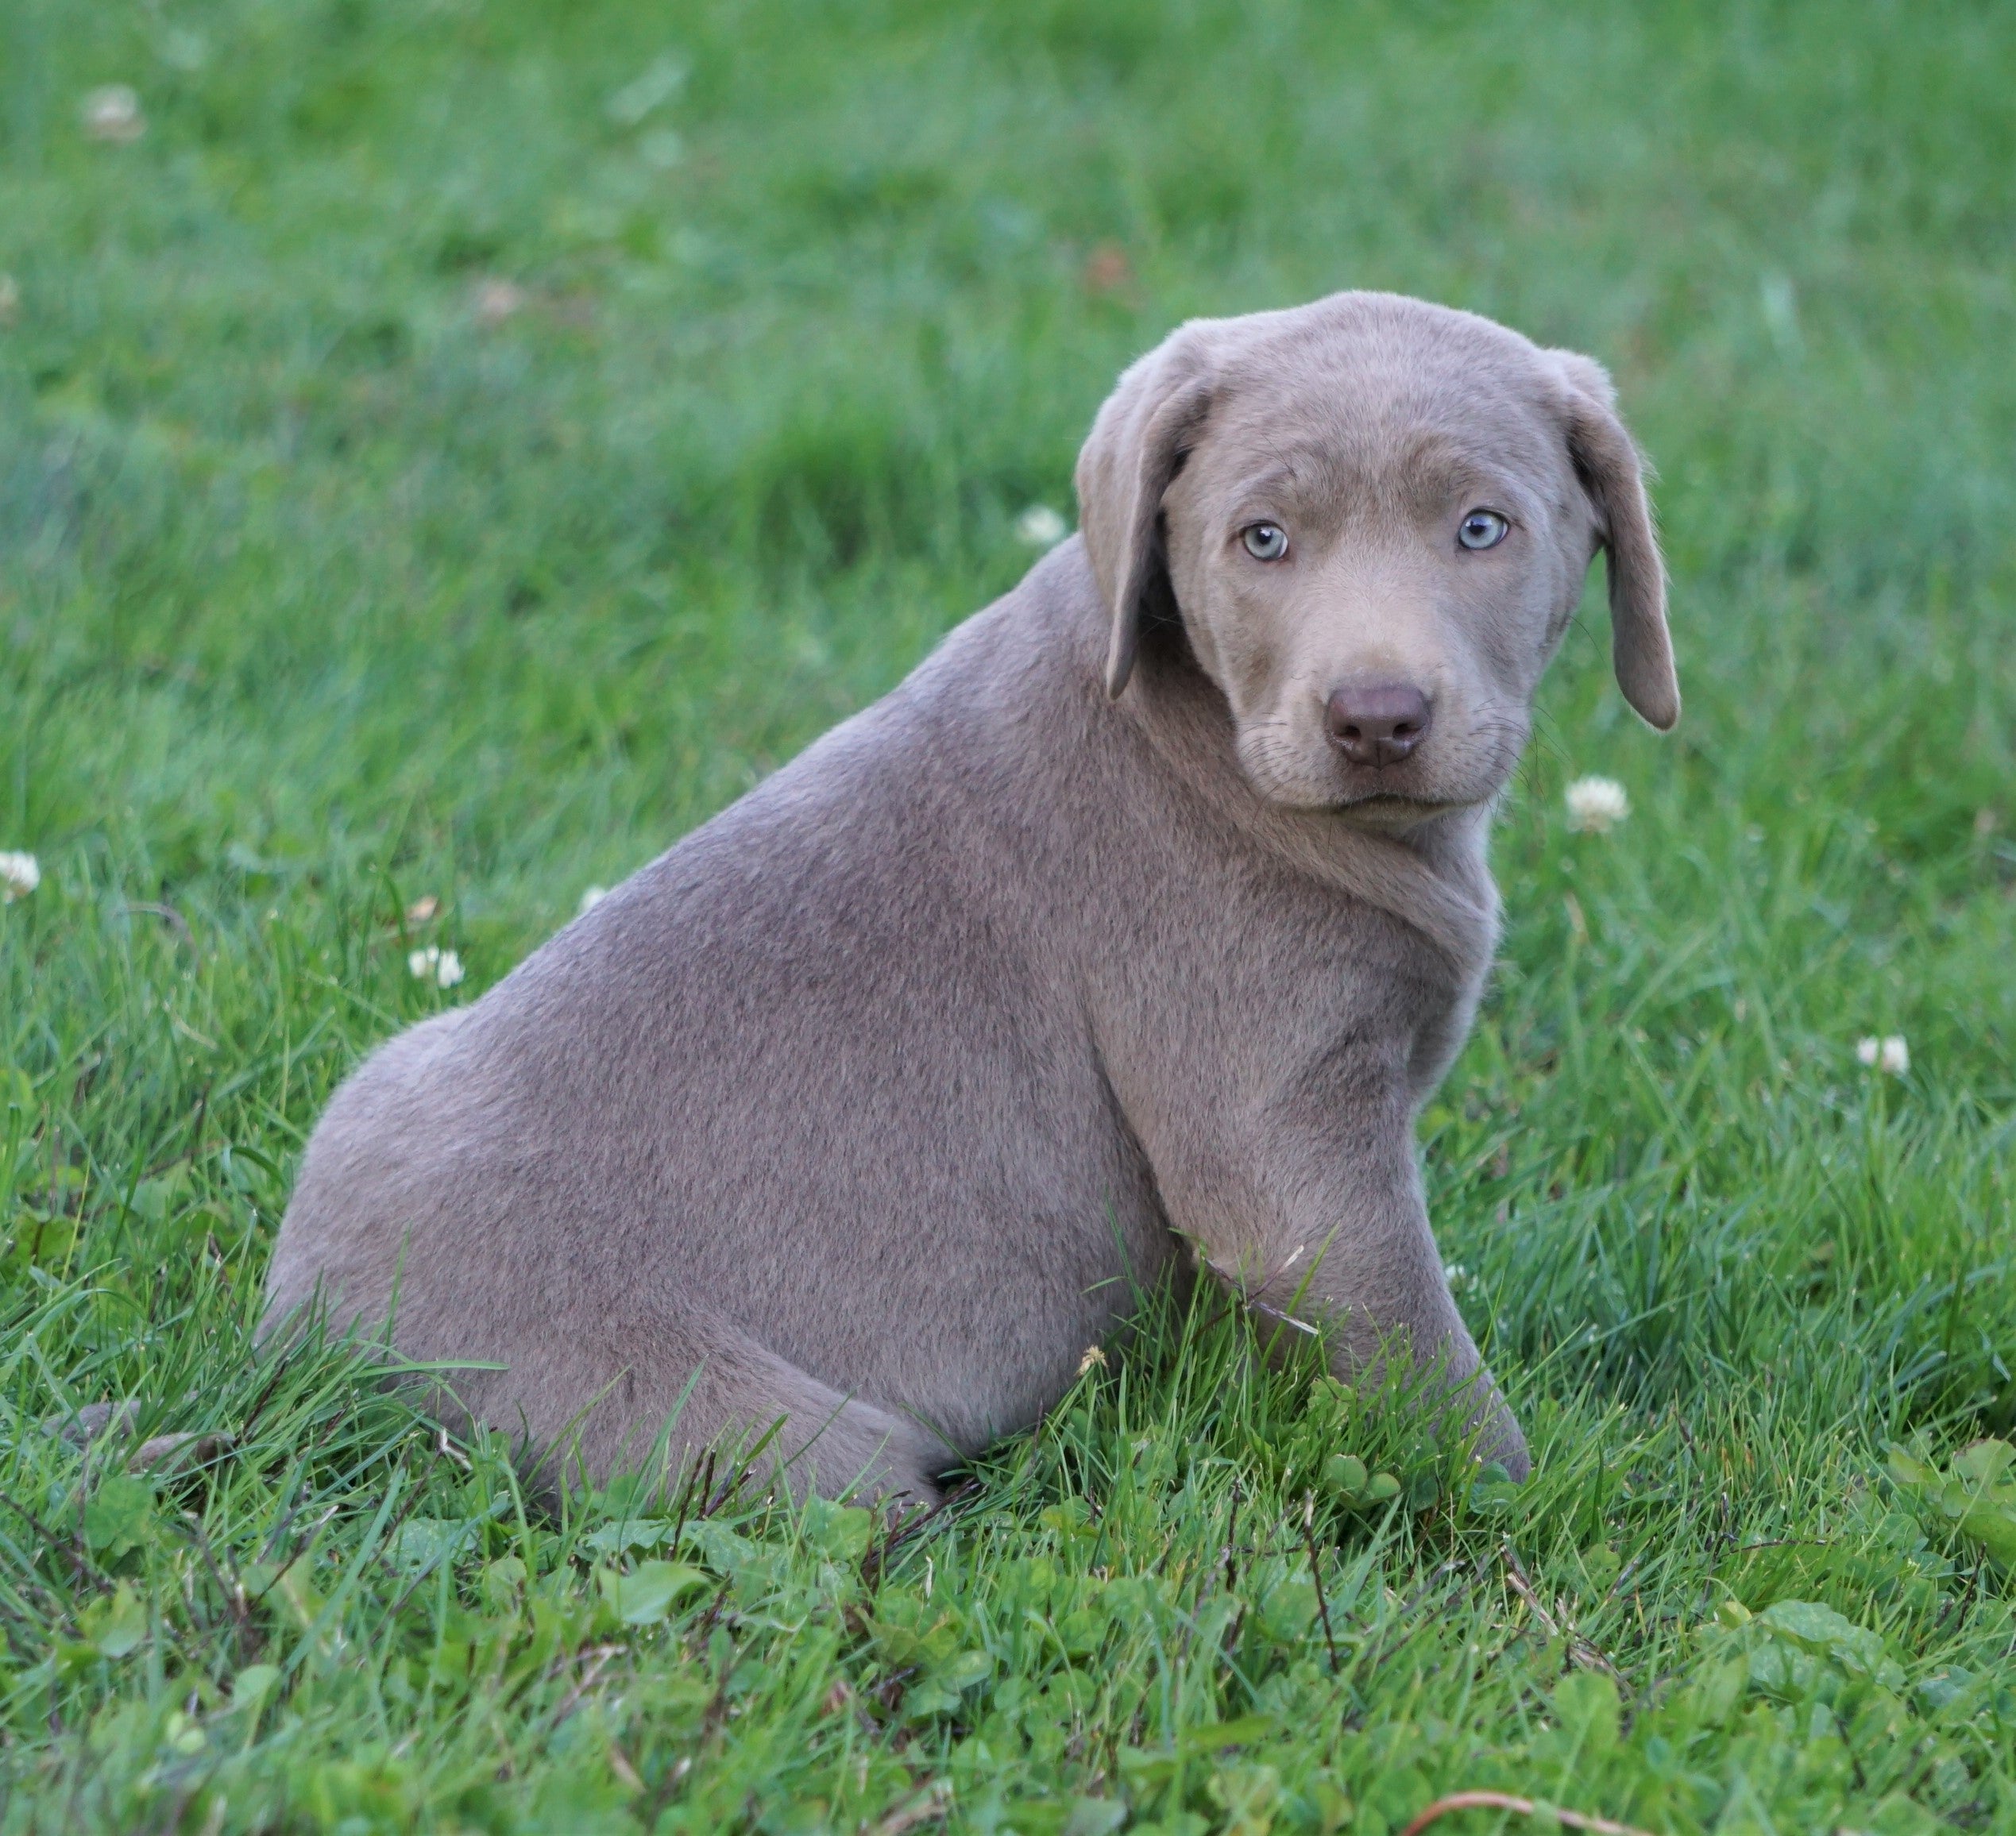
(322, 591)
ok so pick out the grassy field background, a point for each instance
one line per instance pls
(458, 446)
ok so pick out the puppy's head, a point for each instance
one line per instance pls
(1373, 517)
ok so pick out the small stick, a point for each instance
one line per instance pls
(911, 1527)
(598, 1661)
(1579, 1648)
(173, 918)
(685, 1502)
(931, 1805)
(1525, 1806)
(72, 1545)
(1315, 1573)
(1232, 1543)
(1515, 1580)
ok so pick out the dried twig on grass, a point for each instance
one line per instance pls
(931, 1805)
(1315, 1573)
(875, 1561)
(593, 1662)
(1525, 1806)
(1580, 1651)
(167, 914)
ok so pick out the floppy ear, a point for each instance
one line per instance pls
(1607, 462)
(1135, 445)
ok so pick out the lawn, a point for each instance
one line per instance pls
(450, 448)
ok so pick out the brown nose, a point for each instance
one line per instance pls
(1377, 725)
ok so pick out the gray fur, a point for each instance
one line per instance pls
(858, 1107)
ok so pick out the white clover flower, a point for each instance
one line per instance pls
(113, 114)
(1889, 1054)
(1596, 804)
(1040, 527)
(591, 897)
(1456, 1275)
(19, 874)
(498, 299)
(1093, 1356)
(441, 967)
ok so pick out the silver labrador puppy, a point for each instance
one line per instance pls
(1150, 908)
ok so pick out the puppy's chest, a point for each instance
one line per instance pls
(1382, 994)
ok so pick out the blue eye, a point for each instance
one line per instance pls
(1483, 529)
(1265, 541)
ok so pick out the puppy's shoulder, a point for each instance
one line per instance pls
(1038, 648)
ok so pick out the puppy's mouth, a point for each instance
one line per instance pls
(1371, 807)
(1393, 809)
(1392, 800)
(1409, 789)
